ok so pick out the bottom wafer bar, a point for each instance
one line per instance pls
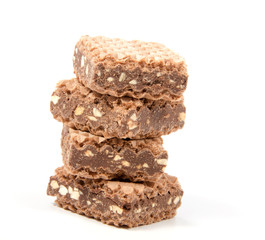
(123, 204)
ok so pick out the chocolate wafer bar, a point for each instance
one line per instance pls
(123, 204)
(130, 68)
(96, 157)
(108, 116)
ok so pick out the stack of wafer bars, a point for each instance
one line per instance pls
(125, 96)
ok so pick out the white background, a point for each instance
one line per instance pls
(218, 156)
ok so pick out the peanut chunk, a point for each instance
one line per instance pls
(83, 61)
(161, 161)
(176, 200)
(55, 99)
(117, 157)
(88, 153)
(79, 110)
(97, 113)
(182, 116)
(116, 209)
(122, 77)
(110, 79)
(63, 190)
(125, 163)
(54, 184)
(92, 118)
(145, 165)
(75, 194)
(133, 82)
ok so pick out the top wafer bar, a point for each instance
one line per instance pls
(130, 68)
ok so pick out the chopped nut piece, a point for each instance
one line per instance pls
(96, 112)
(55, 99)
(145, 165)
(122, 77)
(88, 202)
(182, 116)
(92, 118)
(154, 204)
(125, 163)
(79, 110)
(83, 61)
(133, 82)
(54, 184)
(63, 190)
(88, 153)
(75, 194)
(117, 157)
(138, 210)
(169, 201)
(158, 74)
(110, 79)
(116, 209)
(176, 200)
(162, 161)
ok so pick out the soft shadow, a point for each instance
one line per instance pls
(194, 209)
(198, 207)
